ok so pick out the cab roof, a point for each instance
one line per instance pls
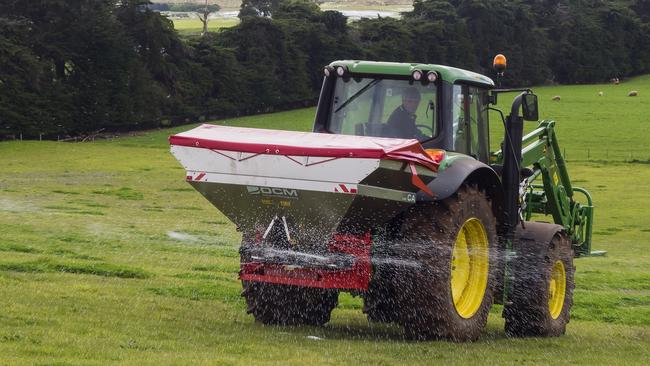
(447, 73)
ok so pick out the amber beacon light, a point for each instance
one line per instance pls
(499, 63)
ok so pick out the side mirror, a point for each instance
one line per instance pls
(491, 98)
(529, 106)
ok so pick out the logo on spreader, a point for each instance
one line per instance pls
(271, 191)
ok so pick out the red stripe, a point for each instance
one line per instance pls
(273, 142)
(198, 177)
(344, 188)
(416, 181)
(272, 149)
(294, 160)
(321, 162)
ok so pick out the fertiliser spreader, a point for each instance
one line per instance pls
(396, 197)
(306, 201)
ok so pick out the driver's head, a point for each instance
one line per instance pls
(411, 99)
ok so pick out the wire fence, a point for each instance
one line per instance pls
(607, 155)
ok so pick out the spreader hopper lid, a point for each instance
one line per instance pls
(293, 143)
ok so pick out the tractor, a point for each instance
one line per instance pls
(396, 197)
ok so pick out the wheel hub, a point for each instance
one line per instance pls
(469, 268)
(557, 289)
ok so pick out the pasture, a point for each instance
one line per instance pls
(108, 256)
(193, 26)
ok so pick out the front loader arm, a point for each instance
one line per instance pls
(554, 195)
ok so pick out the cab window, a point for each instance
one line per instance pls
(470, 121)
(397, 108)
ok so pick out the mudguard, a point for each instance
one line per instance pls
(539, 232)
(463, 170)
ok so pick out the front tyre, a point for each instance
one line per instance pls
(542, 289)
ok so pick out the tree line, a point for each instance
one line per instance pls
(69, 67)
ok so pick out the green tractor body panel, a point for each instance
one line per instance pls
(450, 158)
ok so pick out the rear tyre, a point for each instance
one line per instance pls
(274, 304)
(289, 305)
(449, 263)
(542, 290)
(379, 301)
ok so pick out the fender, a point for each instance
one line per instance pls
(470, 171)
(459, 171)
(541, 232)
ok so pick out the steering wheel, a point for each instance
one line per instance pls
(426, 128)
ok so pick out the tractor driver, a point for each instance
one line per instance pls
(401, 122)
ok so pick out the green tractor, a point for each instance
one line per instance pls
(397, 198)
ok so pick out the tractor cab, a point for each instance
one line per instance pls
(442, 107)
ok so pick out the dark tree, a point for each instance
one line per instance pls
(264, 8)
(77, 66)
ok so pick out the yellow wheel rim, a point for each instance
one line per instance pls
(469, 268)
(557, 289)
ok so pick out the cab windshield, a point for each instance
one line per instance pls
(384, 108)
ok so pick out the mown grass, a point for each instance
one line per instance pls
(107, 256)
(97, 269)
(194, 26)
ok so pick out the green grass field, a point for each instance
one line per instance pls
(108, 256)
(195, 26)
